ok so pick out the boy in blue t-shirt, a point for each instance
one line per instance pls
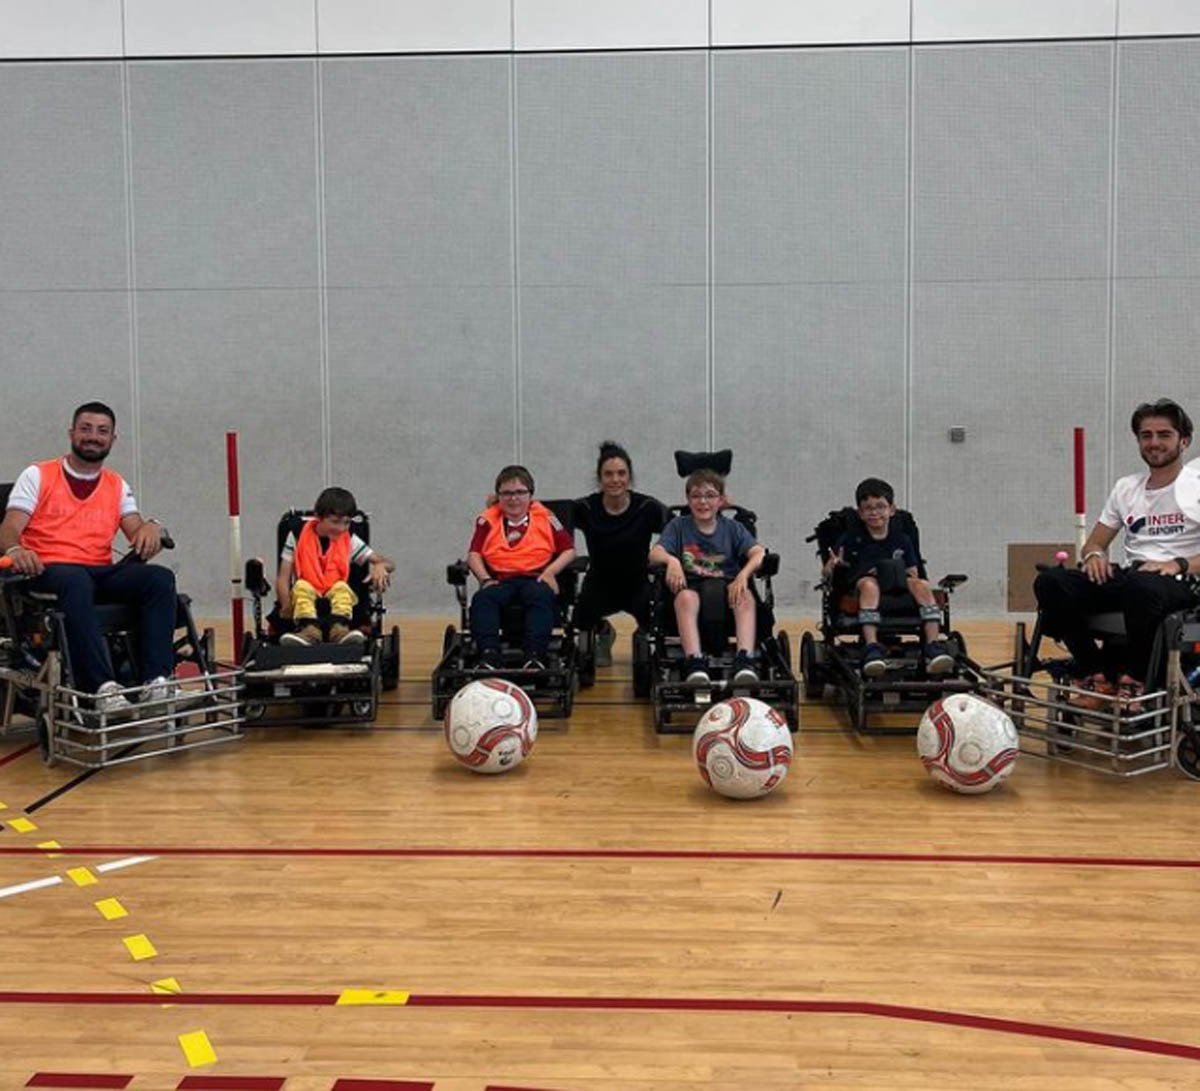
(871, 552)
(703, 545)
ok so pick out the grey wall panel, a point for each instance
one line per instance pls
(810, 396)
(422, 417)
(612, 169)
(224, 174)
(62, 177)
(218, 361)
(611, 363)
(57, 350)
(1156, 350)
(1011, 161)
(1158, 157)
(809, 171)
(1019, 365)
(417, 171)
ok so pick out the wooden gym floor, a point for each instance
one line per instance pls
(596, 919)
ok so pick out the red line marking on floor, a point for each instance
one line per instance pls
(648, 1003)
(13, 757)
(618, 854)
(380, 1085)
(78, 1079)
(231, 1083)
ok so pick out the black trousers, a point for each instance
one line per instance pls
(600, 597)
(1066, 596)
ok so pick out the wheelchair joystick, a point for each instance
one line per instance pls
(1061, 557)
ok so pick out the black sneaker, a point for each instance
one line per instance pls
(743, 669)
(874, 661)
(487, 661)
(937, 659)
(697, 670)
(534, 664)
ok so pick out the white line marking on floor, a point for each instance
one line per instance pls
(33, 884)
(128, 861)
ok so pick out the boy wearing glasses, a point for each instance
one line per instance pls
(879, 556)
(702, 545)
(317, 565)
(516, 553)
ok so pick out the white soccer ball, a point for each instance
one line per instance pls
(491, 726)
(966, 744)
(742, 748)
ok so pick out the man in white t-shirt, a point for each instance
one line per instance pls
(1159, 511)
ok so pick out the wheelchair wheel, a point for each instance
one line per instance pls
(1187, 754)
(784, 642)
(811, 668)
(390, 659)
(959, 642)
(587, 658)
(641, 665)
(364, 708)
(448, 638)
(440, 704)
(43, 736)
(254, 710)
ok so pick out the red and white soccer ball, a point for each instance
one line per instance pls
(491, 725)
(742, 748)
(967, 744)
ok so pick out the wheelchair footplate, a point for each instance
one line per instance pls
(197, 711)
(678, 704)
(325, 683)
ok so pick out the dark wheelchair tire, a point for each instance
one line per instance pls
(390, 659)
(960, 643)
(254, 711)
(641, 666)
(784, 643)
(1187, 754)
(440, 704)
(810, 667)
(448, 638)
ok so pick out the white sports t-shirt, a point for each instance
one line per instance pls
(1159, 523)
(24, 494)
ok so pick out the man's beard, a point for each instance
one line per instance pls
(86, 455)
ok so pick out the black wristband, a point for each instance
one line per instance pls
(1183, 565)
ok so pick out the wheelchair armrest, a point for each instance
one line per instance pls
(457, 574)
(579, 565)
(769, 567)
(950, 582)
(256, 578)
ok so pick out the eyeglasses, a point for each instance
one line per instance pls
(513, 494)
(872, 509)
(704, 496)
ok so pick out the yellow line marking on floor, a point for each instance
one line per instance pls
(22, 825)
(50, 845)
(80, 876)
(111, 909)
(197, 1048)
(139, 947)
(372, 996)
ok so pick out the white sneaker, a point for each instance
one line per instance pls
(110, 700)
(160, 689)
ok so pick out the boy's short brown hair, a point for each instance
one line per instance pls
(515, 473)
(704, 477)
(335, 501)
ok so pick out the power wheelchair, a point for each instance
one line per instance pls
(1108, 732)
(202, 706)
(659, 670)
(318, 683)
(831, 661)
(552, 689)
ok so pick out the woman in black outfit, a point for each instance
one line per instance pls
(617, 524)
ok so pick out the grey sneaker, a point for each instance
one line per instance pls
(306, 634)
(937, 660)
(743, 669)
(110, 700)
(606, 635)
(696, 670)
(160, 689)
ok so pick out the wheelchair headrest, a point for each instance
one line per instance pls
(687, 462)
(745, 516)
(845, 520)
(5, 489)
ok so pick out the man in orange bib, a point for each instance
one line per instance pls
(518, 549)
(61, 517)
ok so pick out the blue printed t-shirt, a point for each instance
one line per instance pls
(720, 554)
(862, 552)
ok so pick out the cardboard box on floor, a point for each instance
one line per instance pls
(1023, 559)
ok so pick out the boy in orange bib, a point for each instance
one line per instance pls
(316, 565)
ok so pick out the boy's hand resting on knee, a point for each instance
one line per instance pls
(738, 588)
(548, 579)
(676, 580)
